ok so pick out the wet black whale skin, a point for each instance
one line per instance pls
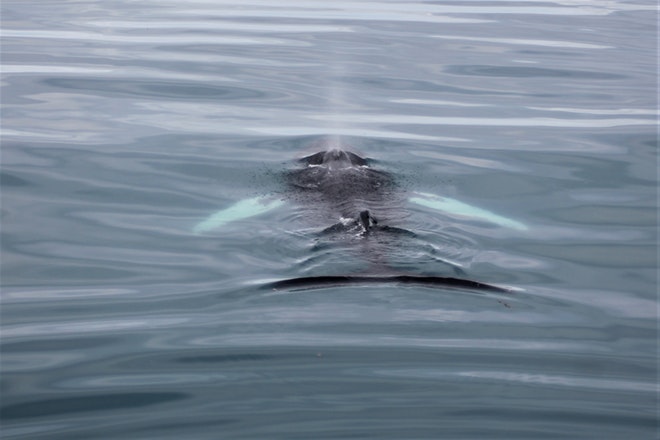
(339, 182)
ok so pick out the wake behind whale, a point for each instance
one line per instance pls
(345, 196)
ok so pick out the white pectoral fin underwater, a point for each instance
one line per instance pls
(238, 211)
(455, 207)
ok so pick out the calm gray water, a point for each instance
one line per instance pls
(125, 123)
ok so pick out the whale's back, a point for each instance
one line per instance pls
(342, 183)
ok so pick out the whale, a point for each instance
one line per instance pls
(344, 186)
(347, 196)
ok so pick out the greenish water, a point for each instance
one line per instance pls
(125, 124)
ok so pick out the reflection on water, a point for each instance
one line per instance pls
(125, 124)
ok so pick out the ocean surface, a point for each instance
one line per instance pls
(127, 123)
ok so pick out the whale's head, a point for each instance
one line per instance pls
(338, 175)
(335, 159)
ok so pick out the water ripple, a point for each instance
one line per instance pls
(477, 121)
(160, 39)
(524, 42)
(76, 404)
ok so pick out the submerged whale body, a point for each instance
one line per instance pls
(343, 196)
(340, 183)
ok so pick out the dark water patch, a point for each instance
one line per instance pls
(7, 179)
(197, 170)
(606, 215)
(136, 197)
(83, 273)
(230, 358)
(582, 170)
(197, 426)
(162, 427)
(99, 402)
(222, 358)
(215, 174)
(653, 143)
(603, 418)
(410, 85)
(528, 72)
(548, 53)
(57, 344)
(156, 89)
(649, 140)
(599, 255)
